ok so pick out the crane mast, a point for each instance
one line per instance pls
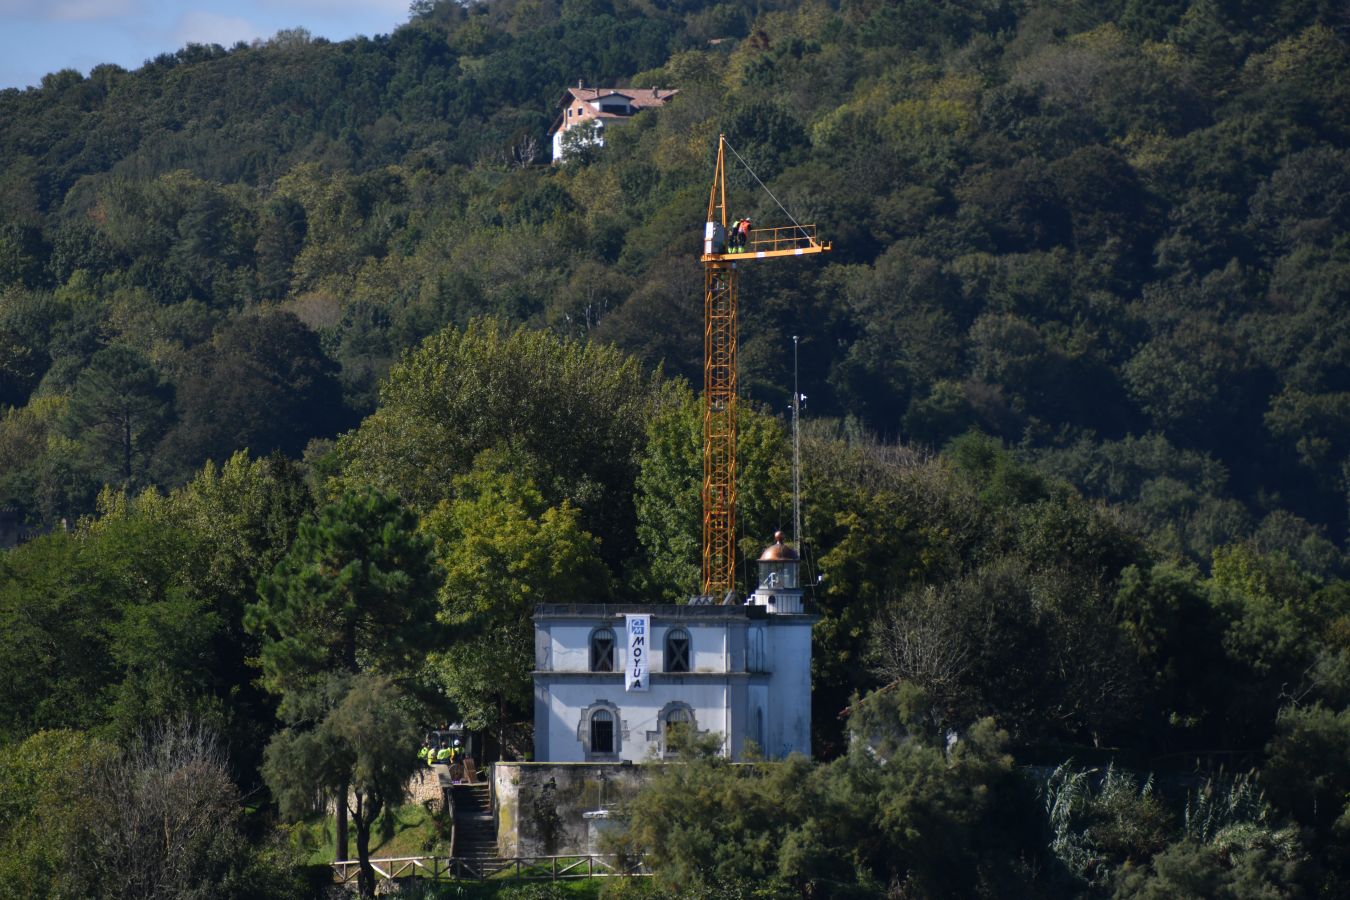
(719, 396)
(719, 367)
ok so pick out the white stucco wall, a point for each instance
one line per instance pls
(598, 138)
(789, 719)
(567, 647)
(639, 727)
(744, 666)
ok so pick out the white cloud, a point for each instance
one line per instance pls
(200, 27)
(68, 10)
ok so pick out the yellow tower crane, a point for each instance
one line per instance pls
(722, 252)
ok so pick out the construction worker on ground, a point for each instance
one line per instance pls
(424, 755)
(443, 755)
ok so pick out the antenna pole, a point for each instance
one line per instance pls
(796, 454)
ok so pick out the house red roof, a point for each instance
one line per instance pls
(642, 98)
(638, 98)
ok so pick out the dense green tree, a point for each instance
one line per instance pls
(898, 809)
(669, 499)
(53, 668)
(705, 821)
(1241, 861)
(504, 551)
(118, 410)
(1165, 614)
(43, 793)
(280, 238)
(107, 632)
(1086, 171)
(1307, 776)
(264, 384)
(354, 596)
(360, 752)
(574, 413)
(242, 516)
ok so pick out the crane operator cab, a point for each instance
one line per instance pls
(714, 239)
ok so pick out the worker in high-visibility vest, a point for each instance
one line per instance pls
(424, 754)
(443, 756)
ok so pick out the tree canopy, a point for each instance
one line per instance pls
(1074, 480)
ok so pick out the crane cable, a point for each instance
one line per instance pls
(766, 188)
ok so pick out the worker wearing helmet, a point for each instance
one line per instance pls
(744, 227)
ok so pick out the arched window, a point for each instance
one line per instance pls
(677, 650)
(680, 715)
(602, 650)
(675, 714)
(600, 731)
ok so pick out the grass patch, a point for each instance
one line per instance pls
(406, 831)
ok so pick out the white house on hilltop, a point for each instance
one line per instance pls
(605, 107)
(611, 680)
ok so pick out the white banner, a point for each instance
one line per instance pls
(639, 628)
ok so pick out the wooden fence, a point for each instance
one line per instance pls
(525, 868)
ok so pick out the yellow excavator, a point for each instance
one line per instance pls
(723, 251)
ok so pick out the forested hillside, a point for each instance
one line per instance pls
(1076, 456)
(1111, 234)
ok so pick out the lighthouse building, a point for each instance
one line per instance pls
(612, 680)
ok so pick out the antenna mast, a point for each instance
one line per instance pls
(796, 454)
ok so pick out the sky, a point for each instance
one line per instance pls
(41, 36)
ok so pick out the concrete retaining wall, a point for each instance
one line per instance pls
(542, 807)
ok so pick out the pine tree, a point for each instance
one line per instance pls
(345, 619)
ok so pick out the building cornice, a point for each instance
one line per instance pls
(590, 612)
(654, 678)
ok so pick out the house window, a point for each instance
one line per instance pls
(676, 714)
(600, 731)
(680, 715)
(677, 650)
(602, 650)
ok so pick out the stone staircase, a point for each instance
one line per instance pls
(475, 828)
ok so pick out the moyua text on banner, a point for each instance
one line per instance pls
(639, 628)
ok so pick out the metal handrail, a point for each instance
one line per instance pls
(597, 865)
(786, 237)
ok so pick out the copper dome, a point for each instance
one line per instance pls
(778, 551)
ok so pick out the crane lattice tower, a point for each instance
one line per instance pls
(719, 366)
